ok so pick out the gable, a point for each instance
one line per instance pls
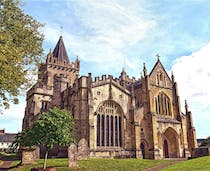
(102, 91)
(104, 88)
(158, 76)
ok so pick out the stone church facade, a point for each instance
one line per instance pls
(118, 117)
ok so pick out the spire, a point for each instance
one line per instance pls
(77, 63)
(123, 73)
(123, 70)
(60, 51)
(145, 70)
(172, 76)
(186, 107)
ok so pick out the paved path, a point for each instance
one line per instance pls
(5, 165)
(159, 167)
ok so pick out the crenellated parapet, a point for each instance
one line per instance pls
(39, 89)
(62, 65)
(109, 79)
(103, 78)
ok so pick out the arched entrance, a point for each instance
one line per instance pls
(170, 144)
(142, 146)
(165, 149)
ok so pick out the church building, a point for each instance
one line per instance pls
(118, 117)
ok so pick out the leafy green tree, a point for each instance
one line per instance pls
(20, 50)
(206, 142)
(54, 127)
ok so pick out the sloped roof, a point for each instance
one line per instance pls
(158, 62)
(7, 137)
(136, 85)
(60, 51)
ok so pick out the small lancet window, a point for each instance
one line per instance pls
(44, 105)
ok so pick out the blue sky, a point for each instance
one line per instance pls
(108, 35)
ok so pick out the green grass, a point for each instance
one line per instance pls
(8, 156)
(198, 164)
(97, 164)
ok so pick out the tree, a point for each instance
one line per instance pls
(206, 142)
(20, 50)
(54, 127)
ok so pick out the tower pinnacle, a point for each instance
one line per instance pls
(186, 107)
(145, 70)
(60, 51)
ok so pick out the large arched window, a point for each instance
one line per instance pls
(163, 105)
(109, 124)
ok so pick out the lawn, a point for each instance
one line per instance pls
(96, 164)
(198, 164)
(7, 156)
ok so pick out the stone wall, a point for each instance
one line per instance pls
(201, 151)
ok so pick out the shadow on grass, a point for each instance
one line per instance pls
(9, 156)
(7, 161)
(10, 167)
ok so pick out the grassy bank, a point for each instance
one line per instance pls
(198, 164)
(96, 164)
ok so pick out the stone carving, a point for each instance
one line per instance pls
(72, 156)
(83, 149)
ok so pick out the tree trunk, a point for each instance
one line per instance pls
(45, 159)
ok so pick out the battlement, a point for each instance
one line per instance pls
(103, 78)
(54, 62)
(39, 88)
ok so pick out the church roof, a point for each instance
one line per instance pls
(158, 62)
(60, 51)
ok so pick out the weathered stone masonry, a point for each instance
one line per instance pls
(118, 117)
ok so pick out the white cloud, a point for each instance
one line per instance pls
(192, 74)
(109, 28)
(11, 119)
(15, 111)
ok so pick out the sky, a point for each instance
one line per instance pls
(108, 35)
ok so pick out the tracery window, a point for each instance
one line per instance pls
(109, 124)
(162, 104)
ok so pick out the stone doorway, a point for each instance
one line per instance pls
(142, 146)
(170, 144)
(165, 149)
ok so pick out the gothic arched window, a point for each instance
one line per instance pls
(163, 105)
(109, 124)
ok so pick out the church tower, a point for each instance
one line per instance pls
(54, 76)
